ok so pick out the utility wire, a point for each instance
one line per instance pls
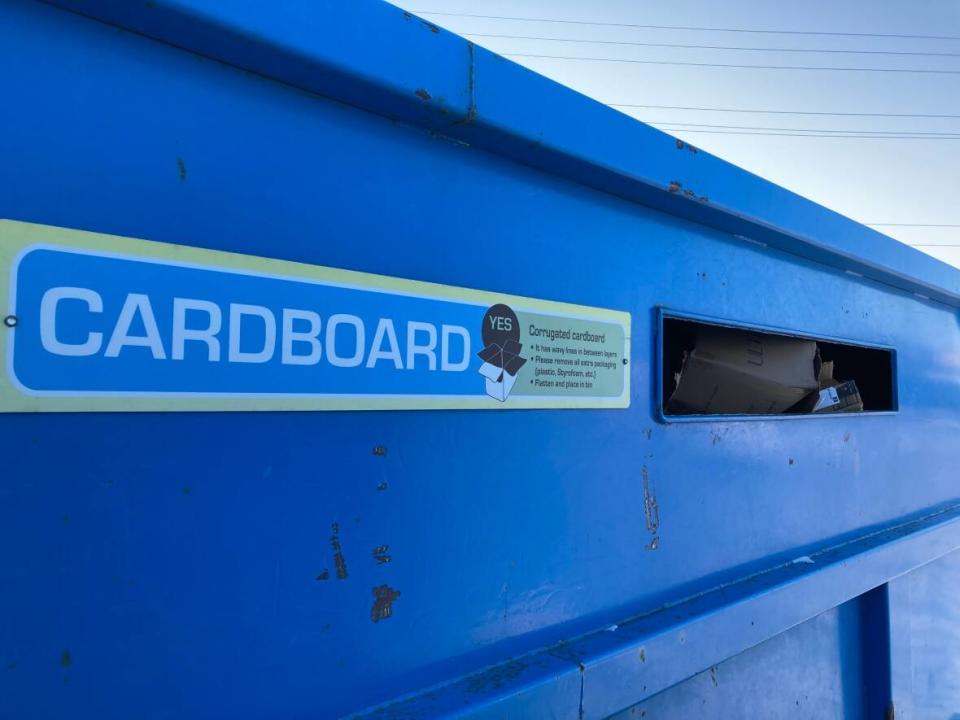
(921, 71)
(711, 47)
(809, 135)
(687, 27)
(780, 112)
(793, 129)
(757, 131)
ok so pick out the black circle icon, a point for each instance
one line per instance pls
(500, 324)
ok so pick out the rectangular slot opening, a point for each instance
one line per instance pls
(714, 369)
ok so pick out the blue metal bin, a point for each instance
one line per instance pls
(455, 555)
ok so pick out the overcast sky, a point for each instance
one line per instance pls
(859, 169)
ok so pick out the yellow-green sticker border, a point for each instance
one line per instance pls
(16, 237)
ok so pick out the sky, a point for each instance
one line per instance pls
(864, 168)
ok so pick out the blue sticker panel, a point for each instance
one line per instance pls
(93, 323)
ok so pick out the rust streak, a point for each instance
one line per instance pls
(472, 109)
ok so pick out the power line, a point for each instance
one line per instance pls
(806, 134)
(817, 130)
(809, 135)
(711, 47)
(780, 112)
(923, 71)
(913, 225)
(595, 23)
(747, 130)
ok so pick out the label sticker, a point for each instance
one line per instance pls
(105, 323)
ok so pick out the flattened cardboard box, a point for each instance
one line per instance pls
(734, 372)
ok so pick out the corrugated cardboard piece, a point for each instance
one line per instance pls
(838, 397)
(732, 372)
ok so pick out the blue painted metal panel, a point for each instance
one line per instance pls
(812, 670)
(170, 566)
(932, 620)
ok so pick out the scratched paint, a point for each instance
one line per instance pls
(381, 553)
(383, 598)
(339, 561)
(496, 677)
(651, 511)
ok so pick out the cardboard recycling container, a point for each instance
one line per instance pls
(252, 467)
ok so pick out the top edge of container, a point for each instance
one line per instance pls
(378, 57)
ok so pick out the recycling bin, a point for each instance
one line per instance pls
(350, 369)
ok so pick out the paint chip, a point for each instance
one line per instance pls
(383, 597)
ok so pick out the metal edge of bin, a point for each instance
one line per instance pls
(377, 57)
(615, 668)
